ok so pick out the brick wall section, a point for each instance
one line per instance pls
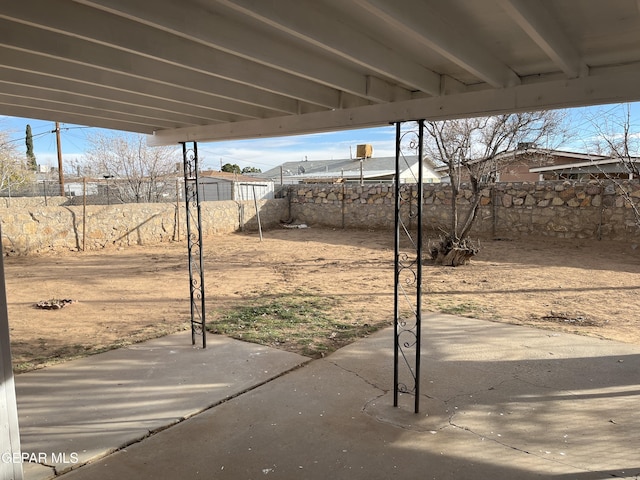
(36, 228)
(558, 209)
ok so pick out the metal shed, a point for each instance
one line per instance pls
(215, 186)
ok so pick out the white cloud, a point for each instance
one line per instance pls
(51, 159)
(268, 153)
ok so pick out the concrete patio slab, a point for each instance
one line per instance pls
(84, 409)
(498, 402)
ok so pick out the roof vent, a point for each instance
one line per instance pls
(526, 145)
(364, 151)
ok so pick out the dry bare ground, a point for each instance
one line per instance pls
(128, 295)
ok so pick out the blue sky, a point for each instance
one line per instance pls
(267, 153)
(262, 153)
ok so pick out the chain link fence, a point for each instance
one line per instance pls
(99, 191)
(111, 191)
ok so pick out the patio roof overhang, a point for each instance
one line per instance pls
(207, 70)
(596, 166)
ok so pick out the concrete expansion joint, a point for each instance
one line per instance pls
(52, 467)
(477, 392)
(502, 443)
(455, 410)
(368, 382)
(178, 420)
(534, 384)
(371, 401)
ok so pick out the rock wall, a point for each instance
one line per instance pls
(24, 202)
(568, 209)
(559, 209)
(556, 209)
(37, 228)
(344, 205)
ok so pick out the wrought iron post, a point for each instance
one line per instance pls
(408, 272)
(194, 242)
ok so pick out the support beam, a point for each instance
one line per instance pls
(318, 26)
(42, 114)
(543, 28)
(249, 89)
(105, 84)
(609, 86)
(139, 47)
(55, 89)
(380, 89)
(9, 431)
(66, 107)
(421, 22)
(194, 23)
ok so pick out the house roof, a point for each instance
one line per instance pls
(230, 177)
(371, 167)
(593, 166)
(207, 70)
(561, 153)
(533, 152)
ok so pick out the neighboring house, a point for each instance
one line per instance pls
(586, 170)
(231, 186)
(368, 170)
(78, 188)
(525, 164)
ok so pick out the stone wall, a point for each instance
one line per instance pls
(36, 228)
(556, 209)
(568, 209)
(344, 205)
(559, 209)
(24, 202)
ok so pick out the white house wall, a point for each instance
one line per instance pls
(410, 175)
(216, 190)
(244, 191)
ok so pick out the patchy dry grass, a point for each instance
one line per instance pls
(301, 322)
(309, 291)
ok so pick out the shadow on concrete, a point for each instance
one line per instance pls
(498, 402)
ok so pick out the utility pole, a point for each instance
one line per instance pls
(60, 173)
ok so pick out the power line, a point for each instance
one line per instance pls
(47, 131)
(22, 139)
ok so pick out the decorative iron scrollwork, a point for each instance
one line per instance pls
(194, 242)
(408, 266)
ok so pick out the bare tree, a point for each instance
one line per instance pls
(13, 171)
(140, 171)
(617, 138)
(474, 150)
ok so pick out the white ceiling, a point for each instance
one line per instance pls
(224, 69)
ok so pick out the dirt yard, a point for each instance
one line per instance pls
(128, 295)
